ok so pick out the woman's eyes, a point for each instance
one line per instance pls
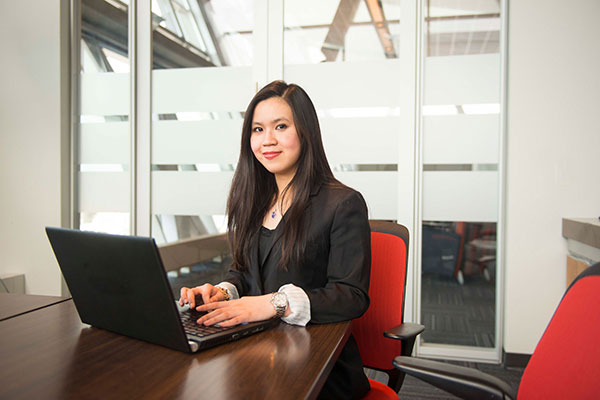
(279, 127)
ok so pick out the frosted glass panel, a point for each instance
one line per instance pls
(103, 153)
(461, 139)
(380, 190)
(104, 93)
(103, 192)
(471, 79)
(360, 84)
(104, 143)
(196, 142)
(201, 89)
(190, 192)
(460, 196)
(361, 140)
(198, 100)
(345, 55)
(461, 108)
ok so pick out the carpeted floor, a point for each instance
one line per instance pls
(458, 314)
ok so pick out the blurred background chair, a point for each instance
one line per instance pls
(564, 365)
(381, 333)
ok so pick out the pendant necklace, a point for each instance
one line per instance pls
(274, 213)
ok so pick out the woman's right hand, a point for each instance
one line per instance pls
(208, 292)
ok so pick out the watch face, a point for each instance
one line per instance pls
(279, 300)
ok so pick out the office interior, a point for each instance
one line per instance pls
(493, 244)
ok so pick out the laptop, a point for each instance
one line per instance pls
(118, 283)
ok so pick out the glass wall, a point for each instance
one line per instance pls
(345, 54)
(201, 83)
(103, 135)
(461, 144)
(363, 63)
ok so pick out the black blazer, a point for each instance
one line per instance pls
(334, 274)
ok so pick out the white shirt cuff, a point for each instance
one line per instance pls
(231, 290)
(299, 305)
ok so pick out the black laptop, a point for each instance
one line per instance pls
(118, 283)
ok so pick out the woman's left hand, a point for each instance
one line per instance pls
(234, 312)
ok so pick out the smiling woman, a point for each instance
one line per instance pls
(300, 239)
(274, 139)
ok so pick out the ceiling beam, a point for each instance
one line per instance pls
(336, 36)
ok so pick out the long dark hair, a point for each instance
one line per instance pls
(253, 189)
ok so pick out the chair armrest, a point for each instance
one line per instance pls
(466, 383)
(407, 330)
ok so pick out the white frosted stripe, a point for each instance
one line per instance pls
(461, 139)
(194, 142)
(201, 89)
(379, 188)
(104, 191)
(361, 140)
(364, 84)
(460, 196)
(469, 79)
(105, 93)
(104, 143)
(205, 193)
(190, 192)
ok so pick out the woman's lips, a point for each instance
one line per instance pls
(271, 155)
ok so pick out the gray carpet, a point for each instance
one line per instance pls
(458, 314)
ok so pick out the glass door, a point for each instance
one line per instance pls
(461, 177)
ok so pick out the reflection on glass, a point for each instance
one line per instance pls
(458, 283)
(190, 33)
(349, 30)
(458, 28)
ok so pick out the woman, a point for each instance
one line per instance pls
(300, 239)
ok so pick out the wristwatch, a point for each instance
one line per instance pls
(280, 303)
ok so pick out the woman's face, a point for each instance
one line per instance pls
(274, 140)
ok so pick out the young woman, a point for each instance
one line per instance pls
(300, 239)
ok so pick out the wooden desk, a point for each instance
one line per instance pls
(12, 305)
(50, 354)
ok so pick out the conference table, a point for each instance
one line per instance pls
(12, 305)
(49, 353)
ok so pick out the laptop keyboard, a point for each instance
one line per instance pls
(191, 327)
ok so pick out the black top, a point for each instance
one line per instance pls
(334, 273)
(265, 242)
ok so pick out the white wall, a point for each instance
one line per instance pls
(30, 140)
(553, 166)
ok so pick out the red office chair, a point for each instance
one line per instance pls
(564, 365)
(389, 259)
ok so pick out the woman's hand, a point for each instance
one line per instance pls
(234, 312)
(208, 292)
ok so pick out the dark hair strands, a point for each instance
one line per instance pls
(254, 189)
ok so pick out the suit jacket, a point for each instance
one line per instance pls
(334, 274)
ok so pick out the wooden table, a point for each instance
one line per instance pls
(51, 354)
(12, 305)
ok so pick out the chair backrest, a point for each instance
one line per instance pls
(389, 257)
(566, 361)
